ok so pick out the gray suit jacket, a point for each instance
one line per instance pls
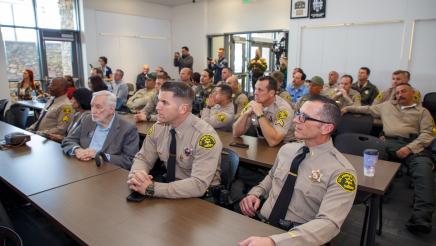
(122, 141)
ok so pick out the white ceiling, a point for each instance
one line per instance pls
(171, 2)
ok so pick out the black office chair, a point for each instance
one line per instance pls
(9, 237)
(3, 103)
(355, 144)
(355, 123)
(17, 116)
(430, 103)
(229, 165)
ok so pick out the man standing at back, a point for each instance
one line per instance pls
(218, 65)
(189, 147)
(185, 60)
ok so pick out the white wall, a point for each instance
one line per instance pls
(375, 53)
(130, 33)
(4, 85)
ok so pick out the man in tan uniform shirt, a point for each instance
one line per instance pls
(398, 77)
(148, 113)
(325, 182)
(269, 114)
(196, 144)
(344, 95)
(56, 115)
(407, 130)
(142, 96)
(220, 111)
(282, 92)
(240, 100)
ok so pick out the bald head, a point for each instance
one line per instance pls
(232, 81)
(146, 68)
(185, 74)
(333, 77)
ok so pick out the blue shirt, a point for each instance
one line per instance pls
(99, 136)
(297, 93)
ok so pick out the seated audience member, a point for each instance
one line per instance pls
(203, 91)
(367, 90)
(279, 77)
(269, 114)
(159, 69)
(57, 112)
(240, 100)
(81, 103)
(333, 81)
(219, 111)
(297, 88)
(27, 87)
(311, 187)
(344, 95)
(71, 88)
(107, 71)
(316, 84)
(189, 148)
(142, 96)
(283, 68)
(218, 65)
(185, 60)
(185, 76)
(407, 130)
(225, 74)
(97, 84)
(121, 90)
(103, 132)
(196, 78)
(398, 77)
(140, 79)
(149, 113)
(95, 71)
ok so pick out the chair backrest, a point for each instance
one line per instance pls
(17, 116)
(3, 103)
(355, 123)
(229, 166)
(429, 103)
(9, 237)
(355, 144)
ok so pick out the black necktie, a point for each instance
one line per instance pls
(43, 113)
(281, 206)
(171, 165)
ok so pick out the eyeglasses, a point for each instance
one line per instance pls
(302, 117)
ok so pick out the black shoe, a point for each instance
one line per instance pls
(417, 226)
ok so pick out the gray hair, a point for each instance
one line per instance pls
(111, 98)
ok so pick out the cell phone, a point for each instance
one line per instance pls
(91, 66)
(239, 145)
(135, 197)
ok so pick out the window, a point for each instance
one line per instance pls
(21, 52)
(56, 14)
(40, 35)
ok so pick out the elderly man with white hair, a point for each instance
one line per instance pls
(103, 132)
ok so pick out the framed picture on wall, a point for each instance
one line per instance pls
(299, 9)
(317, 9)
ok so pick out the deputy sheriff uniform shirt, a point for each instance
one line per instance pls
(57, 117)
(323, 194)
(197, 157)
(285, 95)
(390, 94)
(240, 100)
(150, 107)
(139, 99)
(352, 99)
(219, 117)
(401, 121)
(279, 114)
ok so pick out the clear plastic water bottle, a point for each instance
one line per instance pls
(370, 158)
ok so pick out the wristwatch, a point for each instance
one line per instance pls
(260, 116)
(149, 191)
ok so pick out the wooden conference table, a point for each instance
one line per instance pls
(40, 165)
(90, 202)
(260, 154)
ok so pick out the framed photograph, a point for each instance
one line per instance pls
(299, 9)
(317, 9)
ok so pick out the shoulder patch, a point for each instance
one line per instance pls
(245, 107)
(346, 181)
(280, 117)
(67, 110)
(66, 118)
(150, 131)
(221, 117)
(378, 97)
(207, 141)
